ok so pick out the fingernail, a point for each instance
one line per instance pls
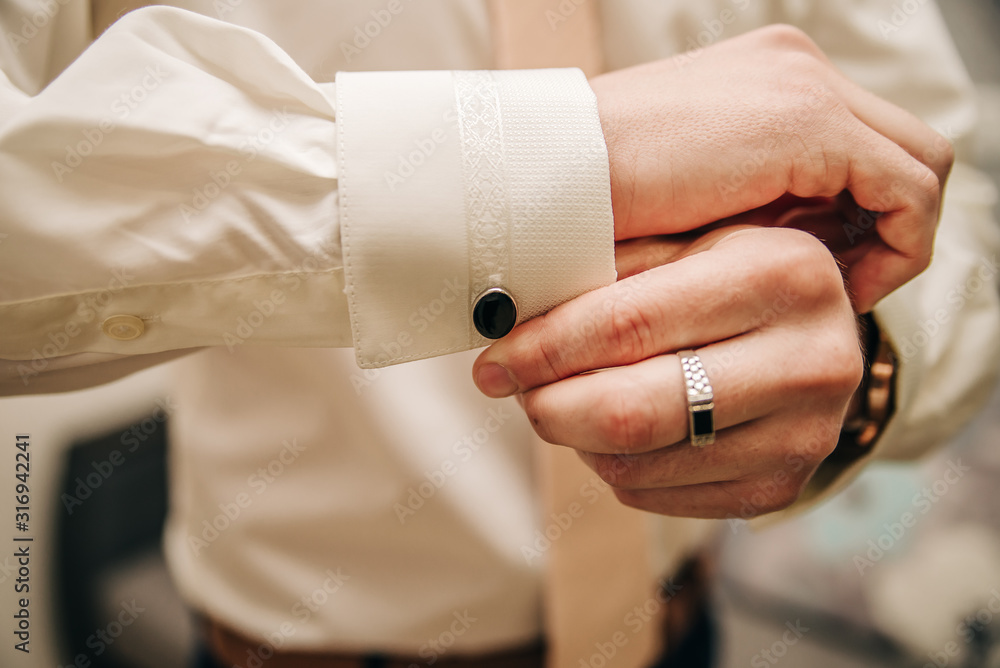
(495, 381)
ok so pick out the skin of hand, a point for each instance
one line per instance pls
(701, 137)
(766, 309)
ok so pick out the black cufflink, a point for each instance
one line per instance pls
(495, 313)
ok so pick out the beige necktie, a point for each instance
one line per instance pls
(598, 565)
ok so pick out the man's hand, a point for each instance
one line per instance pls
(767, 311)
(695, 139)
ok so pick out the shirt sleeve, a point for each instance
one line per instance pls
(458, 183)
(183, 183)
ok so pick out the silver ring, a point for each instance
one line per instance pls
(701, 401)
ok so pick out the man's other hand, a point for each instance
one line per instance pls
(704, 136)
(768, 314)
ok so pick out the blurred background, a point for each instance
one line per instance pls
(847, 585)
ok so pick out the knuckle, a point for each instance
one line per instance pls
(805, 264)
(836, 369)
(847, 368)
(926, 181)
(782, 500)
(629, 332)
(812, 124)
(625, 424)
(537, 413)
(839, 380)
(803, 97)
(618, 471)
(802, 79)
(800, 248)
(632, 499)
(938, 155)
(819, 270)
(763, 497)
(809, 451)
(943, 155)
(928, 187)
(549, 350)
(789, 37)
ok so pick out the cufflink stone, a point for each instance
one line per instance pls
(494, 313)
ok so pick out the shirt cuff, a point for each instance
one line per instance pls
(453, 183)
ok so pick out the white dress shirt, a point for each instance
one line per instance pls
(212, 188)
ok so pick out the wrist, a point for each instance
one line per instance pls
(621, 164)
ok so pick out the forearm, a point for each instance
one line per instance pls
(184, 184)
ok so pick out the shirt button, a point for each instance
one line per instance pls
(123, 327)
(494, 313)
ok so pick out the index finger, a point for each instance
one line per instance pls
(706, 297)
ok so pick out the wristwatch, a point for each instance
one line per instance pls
(874, 402)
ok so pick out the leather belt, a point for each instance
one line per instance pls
(232, 650)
